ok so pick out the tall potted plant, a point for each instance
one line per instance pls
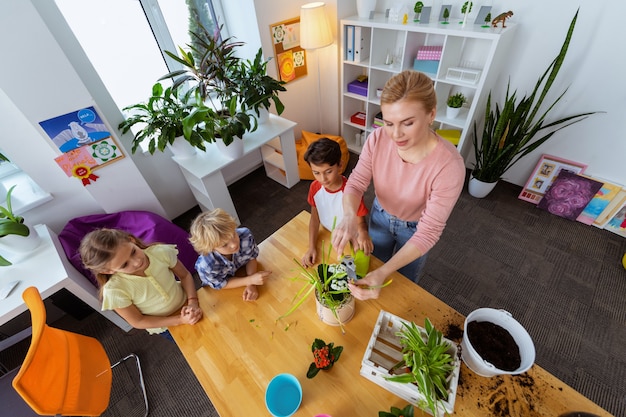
(216, 78)
(509, 132)
(166, 116)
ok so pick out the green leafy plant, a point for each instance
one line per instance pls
(426, 362)
(329, 282)
(446, 15)
(418, 7)
(324, 357)
(260, 90)
(11, 224)
(456, 100)
(509, 132)
(467, 7)
(398, 412)
(164, 117)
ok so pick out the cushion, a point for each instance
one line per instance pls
(302, 145)
(147, 226)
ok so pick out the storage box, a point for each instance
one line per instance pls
(429, 53)
(426, 66)
(451, 135)
(384, 351)
(358, 87)
(466, 75)
(358, 118)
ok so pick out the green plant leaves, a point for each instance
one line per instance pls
(510, 132)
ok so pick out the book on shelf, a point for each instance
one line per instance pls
(349, 43)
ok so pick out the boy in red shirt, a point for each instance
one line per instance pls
(326, 194)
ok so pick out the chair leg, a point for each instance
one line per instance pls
(143, 386)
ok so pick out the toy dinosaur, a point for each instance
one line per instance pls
(501, 18)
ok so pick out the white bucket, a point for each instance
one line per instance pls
(505, 320)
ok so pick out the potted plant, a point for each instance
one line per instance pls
(454, 104)
(260, 90)
(509, 133)
(164, 117)
(216, 78)
(426, 362)
(11, 224)
(398, 412)
(329, 282)
(418, 11)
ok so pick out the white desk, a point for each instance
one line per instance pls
(48, 269)
(278, 149)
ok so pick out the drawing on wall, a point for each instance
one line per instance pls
(569, 194)
(546, 170)
(290, 57)
(73, 130)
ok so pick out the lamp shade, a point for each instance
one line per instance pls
(314, 26)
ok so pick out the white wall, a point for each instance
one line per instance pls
(46, 82)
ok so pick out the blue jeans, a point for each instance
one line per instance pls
(389, 234)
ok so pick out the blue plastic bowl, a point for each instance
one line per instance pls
(283, 395)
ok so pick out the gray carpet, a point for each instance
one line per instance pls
(562, 280)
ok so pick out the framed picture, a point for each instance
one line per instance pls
(289, 56)
(617, 223)
(569, 194)
(546, 170)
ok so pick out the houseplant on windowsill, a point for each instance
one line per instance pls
(166, 116)
(12, 224)
(509, 133)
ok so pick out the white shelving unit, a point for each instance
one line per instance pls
(479, 50)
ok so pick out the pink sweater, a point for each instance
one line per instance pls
(424, 192)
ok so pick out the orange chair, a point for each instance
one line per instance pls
(65, 373)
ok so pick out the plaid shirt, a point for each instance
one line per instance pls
(214, 269)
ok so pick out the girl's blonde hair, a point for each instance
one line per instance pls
(100, 246)
(211, 229)
(411, 86)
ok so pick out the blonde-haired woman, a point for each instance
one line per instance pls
(417, 175)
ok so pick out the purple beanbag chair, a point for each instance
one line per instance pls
(147, 226)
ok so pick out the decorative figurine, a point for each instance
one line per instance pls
(501, 18)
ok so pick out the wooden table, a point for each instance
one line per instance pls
(239, 346)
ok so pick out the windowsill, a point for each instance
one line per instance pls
(26, 196)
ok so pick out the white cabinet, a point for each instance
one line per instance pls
(469, 62)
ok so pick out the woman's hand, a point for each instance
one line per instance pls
(369, 287)
(344, 233)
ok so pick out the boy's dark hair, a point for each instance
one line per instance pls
(323, 151)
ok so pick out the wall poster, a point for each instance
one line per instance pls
(290, 57)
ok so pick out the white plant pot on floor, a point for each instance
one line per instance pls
(480, 189)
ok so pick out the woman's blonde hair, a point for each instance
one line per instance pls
(211, 229)
(99, 247)
(411, 86)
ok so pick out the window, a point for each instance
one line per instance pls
(124, 39)
(26, 195)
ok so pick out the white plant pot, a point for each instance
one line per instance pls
(181, 148)
(364, 7)
(505, 320)
(452, 112)
(19, 247)
(480, 189)
(232, 151)
(344, 313)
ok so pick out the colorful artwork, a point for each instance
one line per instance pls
(617, 224)
(569, 194)
(73, 130)
(290, 57)
(546, 170)
(614, 205)
(598, 203)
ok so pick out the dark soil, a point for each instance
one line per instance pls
(453, 332)
(494, 344)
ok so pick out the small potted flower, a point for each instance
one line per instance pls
(324, 357)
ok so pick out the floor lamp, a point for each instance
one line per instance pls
(315, 33)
